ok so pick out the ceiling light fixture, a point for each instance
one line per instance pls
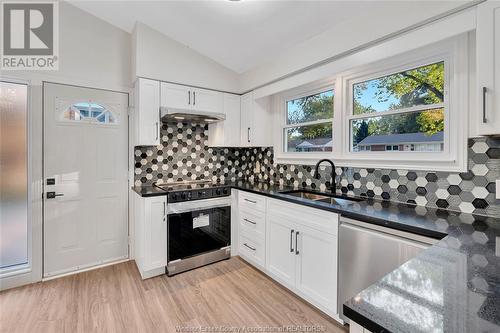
(179, 117)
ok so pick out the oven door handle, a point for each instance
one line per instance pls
(192, 206)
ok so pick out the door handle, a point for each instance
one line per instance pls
(484, 105)
(194, 97)
(249, 221)
(52, 195)
(251, 248)
(296, 244)
(291, 240)
(189, 97)
(248, 135)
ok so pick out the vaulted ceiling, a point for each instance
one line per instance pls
(237, 34)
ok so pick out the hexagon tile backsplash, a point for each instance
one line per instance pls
(184, 155)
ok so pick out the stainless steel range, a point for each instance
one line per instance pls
(198, 224)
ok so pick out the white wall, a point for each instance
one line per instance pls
(365, 27)
(158, 57)
(93, 53)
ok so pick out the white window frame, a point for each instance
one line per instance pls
(454, 52)
(281, 102)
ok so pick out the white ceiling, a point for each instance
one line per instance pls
(241, 35)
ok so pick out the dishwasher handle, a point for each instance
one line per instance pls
(414, 240)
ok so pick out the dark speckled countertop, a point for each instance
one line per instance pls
(453, 286)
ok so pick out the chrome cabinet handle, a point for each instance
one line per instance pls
(296, 244)
(251, 201)
(484, 105)
(251, 248)
(189, 97)
(248, 134)
(291, 240)
(164, 211)
(157, 130)
(246, 220)
(194, 97)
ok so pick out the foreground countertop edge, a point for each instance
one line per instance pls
(367, 323)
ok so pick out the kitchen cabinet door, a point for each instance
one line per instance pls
(262, 123)
(246, 124)
(147, 112)
(175, 96)
(226, 133)
(488, 67)
(280, 247)
(256, 122)
(316, 269)
(207, 100)
(155, 233)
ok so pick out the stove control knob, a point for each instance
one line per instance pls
(225, 191)
(173, 197)
(218, 191)
(200, 194)
(183, 196)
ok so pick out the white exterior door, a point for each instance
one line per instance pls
(86, 178)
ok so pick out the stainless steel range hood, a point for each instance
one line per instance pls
(168, 115)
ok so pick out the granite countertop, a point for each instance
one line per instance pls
(453, 286)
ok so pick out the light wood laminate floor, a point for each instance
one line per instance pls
(115, 299)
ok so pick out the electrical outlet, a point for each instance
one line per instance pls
(498, 189)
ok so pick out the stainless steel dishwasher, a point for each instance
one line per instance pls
(368, 252)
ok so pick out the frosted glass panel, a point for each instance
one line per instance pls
(13, 175)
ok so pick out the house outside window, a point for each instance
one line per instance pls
(308, 124)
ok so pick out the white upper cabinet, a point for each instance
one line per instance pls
(207, 100)
(256, 122)
(147, 113)
(488, 67)
(175, 96)
(179, 97)
(226, 133)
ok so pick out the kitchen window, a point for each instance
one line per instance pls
(399, 111)
(408, 111)
(308, 125)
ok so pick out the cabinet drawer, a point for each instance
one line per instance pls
(252, 201)
(311, 217)
(252, 222)
(252, 251)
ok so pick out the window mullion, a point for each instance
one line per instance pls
(397, 111)
(309, 123)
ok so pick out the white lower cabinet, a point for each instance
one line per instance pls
(316, 269)
(301, 257)
(150, 235)
(294, 244)
(281, 259)
(252, 225)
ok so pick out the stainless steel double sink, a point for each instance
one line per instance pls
(322, 197)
